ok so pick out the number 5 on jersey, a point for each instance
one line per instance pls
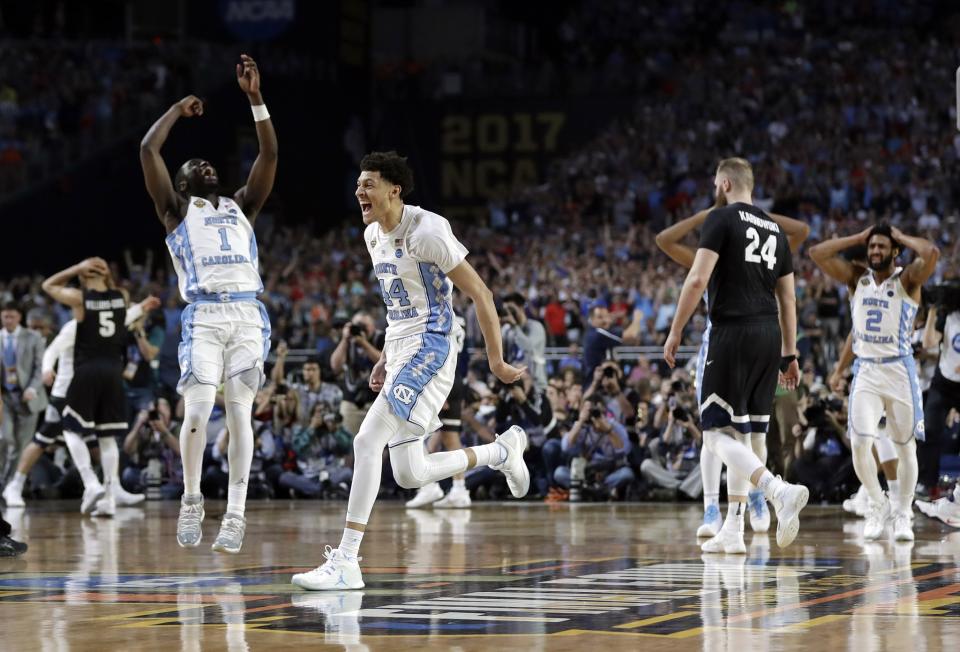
(107, 327)
(768, 253)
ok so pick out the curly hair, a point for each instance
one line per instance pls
(392, 167)
(883, 228)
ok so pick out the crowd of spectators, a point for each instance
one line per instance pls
(842, 132)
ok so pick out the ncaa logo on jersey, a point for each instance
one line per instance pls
(404, 394)
(398, 253)
(199, 203)
(956, 343)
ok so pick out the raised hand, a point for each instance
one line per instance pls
(190, 106)
(248, 76)
(507, 373)
(95, 264)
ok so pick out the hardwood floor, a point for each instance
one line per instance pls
(508, 575)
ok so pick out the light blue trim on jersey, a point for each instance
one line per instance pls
(265, 330)
(185, 349)
(255, 258)
(853, 385)
(441, 310)
(185, 254)
(918, 430)
(416, 374)
(905, 332)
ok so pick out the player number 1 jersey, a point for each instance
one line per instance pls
(214, 250)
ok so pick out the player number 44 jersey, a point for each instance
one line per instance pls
(411, 264)
(883, 317)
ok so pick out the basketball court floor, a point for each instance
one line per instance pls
(500, 576)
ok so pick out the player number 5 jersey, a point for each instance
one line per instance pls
(882, 317)
(411, 264)
(214, 250)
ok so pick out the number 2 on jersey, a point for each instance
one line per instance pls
(768, 253)
(397, 291)
(874, 317)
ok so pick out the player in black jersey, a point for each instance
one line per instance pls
(744, 264)
(96, 400)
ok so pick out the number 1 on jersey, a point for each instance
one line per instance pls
(768, 253)
(224, 244)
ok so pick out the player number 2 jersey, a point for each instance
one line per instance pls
(883, 317)
(411, 264)
(214, 250)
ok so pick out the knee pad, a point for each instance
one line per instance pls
(197, 403)
(243, 387)
(407, 461)
(886, 450)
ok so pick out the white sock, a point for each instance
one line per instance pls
(18, 480)
(734, 515)
(350, 543)
(490, 454)
(770, 484)
(893, 486)
(81, 458)
(237, 499)
(109, 463)
(459, 484)
(711, 468)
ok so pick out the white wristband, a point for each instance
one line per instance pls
(260, 112)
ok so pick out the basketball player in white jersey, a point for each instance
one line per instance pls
(60, 353)
(225, 329)
(884, 302)
(415, 257)
(670, 241)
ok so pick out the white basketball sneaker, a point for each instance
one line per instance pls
(514, 468)
(124, 498)
(729, 540)
(877, 516)
(857, 503)
(759, 513)
(902, 525)
(91, 495)
(106, 506)
(428, 493)
(457, 498)
(339, 572)
(942, 509)
(12, 496)
(788, 500)
(712, 522)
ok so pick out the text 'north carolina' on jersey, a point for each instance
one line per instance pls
(214, 250)
(411, 263)
(102, 334)
(754, 254)
(882, 317)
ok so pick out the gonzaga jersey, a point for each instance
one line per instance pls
(102, 333)
(882, 318)
(411, 263)
(214, 250)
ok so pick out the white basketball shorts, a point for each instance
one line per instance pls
(221, 340)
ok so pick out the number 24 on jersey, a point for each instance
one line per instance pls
(768, 252)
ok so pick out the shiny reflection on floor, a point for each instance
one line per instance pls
(508, 575)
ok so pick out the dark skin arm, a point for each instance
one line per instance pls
(923, 265)
(167, 203)
(252, 196)
(827, 257)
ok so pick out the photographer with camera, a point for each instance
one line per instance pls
(321, 449)
(145, 339)
(357, 352)
(601, 444)
(674, 461)
(153, 452)
(943, 329)
(607, 386)
(821, 454)
(312, 390)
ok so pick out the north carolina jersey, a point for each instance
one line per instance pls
(882, 318)
(411, 263)
(214, 250)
